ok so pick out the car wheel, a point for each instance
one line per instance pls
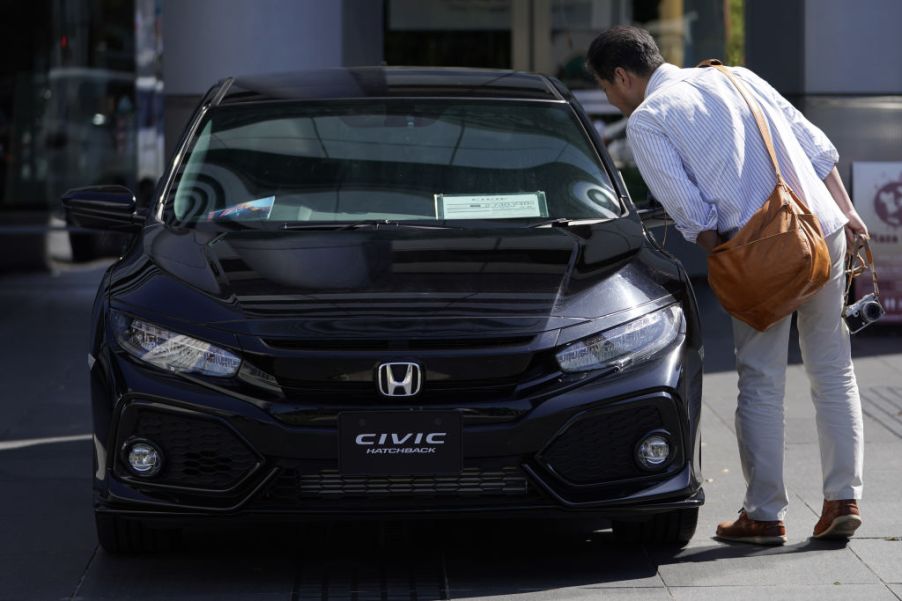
(118, 535)
(670, 528)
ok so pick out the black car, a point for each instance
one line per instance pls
(387, 292)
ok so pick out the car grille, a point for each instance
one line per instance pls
(197, 452)
(600, 447)
(358, 344)
(484, 379)
(293, 487)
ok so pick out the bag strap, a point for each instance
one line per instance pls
(756, 112)
(864, 263)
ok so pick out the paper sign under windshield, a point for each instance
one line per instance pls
(491, 206)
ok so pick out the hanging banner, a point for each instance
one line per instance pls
(877, 195)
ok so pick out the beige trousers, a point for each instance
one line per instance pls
(761, 359)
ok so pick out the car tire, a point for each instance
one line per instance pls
(118, 535)
(670, 528)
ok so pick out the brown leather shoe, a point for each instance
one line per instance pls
(756, 532)
(839, 520)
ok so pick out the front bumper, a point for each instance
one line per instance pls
(569, 454)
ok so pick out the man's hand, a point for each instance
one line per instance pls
(708, 240)
(855, 227)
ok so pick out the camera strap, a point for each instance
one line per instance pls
(858, 264)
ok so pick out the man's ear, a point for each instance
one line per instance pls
(623, 77)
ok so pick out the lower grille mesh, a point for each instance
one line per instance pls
(292, 486)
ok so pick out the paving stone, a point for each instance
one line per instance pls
(880, 510)
(186, 576)
(394, 561)
(40, 576)
(46, 516)
(722, 474)
(520, 565)
(880, 505)
(588, 593)
(45, 378)
(882, 403)
(876, 431)
(801, 430)
(827, 592)
(62, 460)
(884, 557)
(878, 369)
(719, 391)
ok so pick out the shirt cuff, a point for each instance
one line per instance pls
(824, 162)
(691, 231)
(689, 235)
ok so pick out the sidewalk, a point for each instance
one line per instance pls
(870, 565)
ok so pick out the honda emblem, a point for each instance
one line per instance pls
(399, 379)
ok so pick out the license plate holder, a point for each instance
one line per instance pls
(390, 443)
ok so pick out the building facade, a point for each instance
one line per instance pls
(96, 91)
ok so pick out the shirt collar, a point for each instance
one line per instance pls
(662, 76)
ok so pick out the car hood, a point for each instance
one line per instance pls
(402, 281)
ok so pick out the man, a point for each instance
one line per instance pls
(700, 152)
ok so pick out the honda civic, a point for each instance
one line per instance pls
(380, 293)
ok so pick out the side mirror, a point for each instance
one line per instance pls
(653, 214)
(102, 207)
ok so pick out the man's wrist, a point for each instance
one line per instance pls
(708, 240)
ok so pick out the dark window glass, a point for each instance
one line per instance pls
(392, 159)
(67, 98)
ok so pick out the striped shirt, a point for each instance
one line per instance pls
(700, 152)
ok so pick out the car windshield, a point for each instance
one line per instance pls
(453, 162)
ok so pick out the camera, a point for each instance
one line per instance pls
(863, 312)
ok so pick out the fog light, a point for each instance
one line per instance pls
(144, 458)
(653, 451)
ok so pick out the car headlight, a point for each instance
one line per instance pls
(172, 351)
(625, 344)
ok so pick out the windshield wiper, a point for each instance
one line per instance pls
(366, 223)
(557, 222)
(567, 222)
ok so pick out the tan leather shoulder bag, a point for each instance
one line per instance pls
(777, 260)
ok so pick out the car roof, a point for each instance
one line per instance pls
(388, 82)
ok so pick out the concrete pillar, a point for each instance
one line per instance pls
(839, 64)
(531, 24)
(853, 48)
(775, 47)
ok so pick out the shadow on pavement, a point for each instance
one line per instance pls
(728, 550)
(398, 560)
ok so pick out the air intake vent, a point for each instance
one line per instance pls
(600, 447)
(292, 487)
(339, 344)
(198, 453)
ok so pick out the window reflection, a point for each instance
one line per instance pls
(67, 98)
